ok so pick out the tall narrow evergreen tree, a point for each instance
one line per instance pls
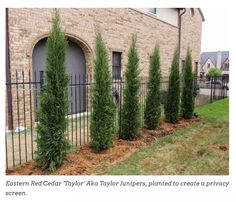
(173, 94)
(152, 111)
(103, 113)
(187, 101)
(130, 114)
(52, 144)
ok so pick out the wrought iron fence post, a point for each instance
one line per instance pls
(120, 104)
(211, 89)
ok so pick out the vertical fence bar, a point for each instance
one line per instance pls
(214, 89)
(83, 107)
(6, 150)
(80, 110)
(18, 114)
(23, 76)
(87, 106)
(143, 100)
(120, 103)
(37, 103)
(76, 112)
(144, 97)
(222, 87)
(12, 135)
(67, 114)
(90, 103)
(211, 89)
(225, 86)
(31, 118)
(117, 97)
(113, 92)
(71, 110)
(140, 101)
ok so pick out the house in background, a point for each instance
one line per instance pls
(219, 59)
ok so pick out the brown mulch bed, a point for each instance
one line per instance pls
(86, 160)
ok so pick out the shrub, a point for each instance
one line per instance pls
(163, 96)
(187, 101)
(103, 108)
(52, 144)
(214, 72)
(130, 114)
(152, 111)
(173, 94)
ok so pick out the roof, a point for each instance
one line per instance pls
(213, 57)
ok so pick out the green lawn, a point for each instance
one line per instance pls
(190, 151)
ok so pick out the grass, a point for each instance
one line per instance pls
(83, 121)
(217, 110)
(190, 151)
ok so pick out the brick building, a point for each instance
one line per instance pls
(27, 30)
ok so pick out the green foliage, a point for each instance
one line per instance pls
(187, 101)
(216, 111)
(163, 96)
(130, 122)
(173, 94)
(152, 111)
(103, 113)
(214, 72)
(52, 144)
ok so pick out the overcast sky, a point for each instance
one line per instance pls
(215, 29)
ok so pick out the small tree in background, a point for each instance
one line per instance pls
(103, 113)
(52, 144)
(214, 72)
(130, 121)
(187, 101)
(173, 93)
(152, 111)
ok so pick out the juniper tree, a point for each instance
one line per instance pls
(52, 144)
(152, 111)
(103, 113)
(130, 114)
(187, 100)
(173, 93)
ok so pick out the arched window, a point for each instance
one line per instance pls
(76, 69)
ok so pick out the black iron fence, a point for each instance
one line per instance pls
(210, 89)
(23, 89)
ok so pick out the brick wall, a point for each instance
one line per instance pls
(191, 31)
